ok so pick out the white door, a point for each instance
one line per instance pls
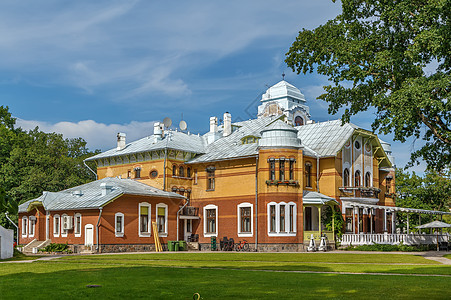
(89, 235)
(188, 228)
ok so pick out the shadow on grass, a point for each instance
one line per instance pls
(69, 281)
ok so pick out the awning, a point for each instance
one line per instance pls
(394, 208)
(435, 224)
(315, 198)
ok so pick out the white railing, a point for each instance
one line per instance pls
(393, 239)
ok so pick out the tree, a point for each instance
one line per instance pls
(375, 53)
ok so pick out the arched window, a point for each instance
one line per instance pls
(272, 169)
(346, 177)
(298, 121)
(174, 170)
(181, 172)
(357, 179)
(308, 174)
(188, 172)
(367, 179)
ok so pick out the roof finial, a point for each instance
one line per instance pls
(283, 75)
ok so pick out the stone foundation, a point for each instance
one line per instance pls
(129, 248)
(265, 247)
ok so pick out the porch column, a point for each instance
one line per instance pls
(319, 221)
(385, 220)
(353, 219)
(371, 220)
(393, 223)
(365, 220)
(408, 226)
(358, 219)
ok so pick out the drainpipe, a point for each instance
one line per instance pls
(95, 174)
(256, 203)
(97, 229)
(168, 135)
(17, 227)
(178, 213)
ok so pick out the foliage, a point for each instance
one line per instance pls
(375, 54)
(338, 223)
(34, 161)
(54, 247)
(431, 192)
(389, 248)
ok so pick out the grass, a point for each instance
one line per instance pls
(18, 256)
(226, 275)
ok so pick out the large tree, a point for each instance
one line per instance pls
(393, 56)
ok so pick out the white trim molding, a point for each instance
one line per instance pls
(121, 232)
(24, 226)
(149, 220)
(56, 228)
(165, 206)
(240, 233)
(63, 231)
(210, 234)
(77, 234)
(282, 209)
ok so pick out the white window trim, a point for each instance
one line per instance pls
(75, 225)
(210, 206)
(165, 206)
(245, 234)
(24, 226)
(287, 219)
(119, 234)
(63, 232)
(31, 225)
(56, 233)
(149, 220)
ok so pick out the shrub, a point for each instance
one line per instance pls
(389, 248)
(54, 247)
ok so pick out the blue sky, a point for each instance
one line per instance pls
(94, 68)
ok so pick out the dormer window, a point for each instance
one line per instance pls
(250, 139)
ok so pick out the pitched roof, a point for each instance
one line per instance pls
(177, 141)
(89, 195)
(317, 198)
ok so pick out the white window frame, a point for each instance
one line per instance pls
(24, 226)
(149, 220)
(210, 206)
(245, 234)
(165, 206)
(56, 229)
(77, 234)
(31, 225)
(63, 232)
(119, 234)
(287, 219)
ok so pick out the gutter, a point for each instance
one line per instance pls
(97, 228)
(17, 227)
(95, 174)
(178, 213)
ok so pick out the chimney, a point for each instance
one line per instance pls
(120, 141)
(106, 188)
(157, 131)
(227, 124)
(213, 124)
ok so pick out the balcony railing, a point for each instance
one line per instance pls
(392, 239)
(363, 192)
(190, 211)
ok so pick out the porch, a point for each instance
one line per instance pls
(393, 239)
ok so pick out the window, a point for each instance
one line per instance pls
(210, 178)
(174, 170)
(346, 177)
(357, 145)
(129, 174)
(195, 176)
(281, 169)
(181, 172)
(119, 224)
(349, 220)
(245, 221)
(188, 194)
(77, 225)
(144, 219)
(308, 174)
(281, 219)
(367, 179)
(188, 172)
(31, 226)
(357, 178)
(137, 172)
(154, 174)
(291, 169)
(162, 219)
(64, 225)
(298, 121)
(272, 169)
(56, 225)
(24, 226)
(174, 189)
(210, 221)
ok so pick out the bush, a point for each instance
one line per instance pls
(389, 248)
(54, 247)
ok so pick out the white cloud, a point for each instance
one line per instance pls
(97, 135)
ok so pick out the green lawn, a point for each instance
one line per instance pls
(227, 275)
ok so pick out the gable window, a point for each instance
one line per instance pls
(281, 219)
(162, 219)
(210, 178)
(77, 225)
(188, 172)
(210, 220)
(308, 174)
(292, 169)
(144, 219)
(298, 121)
(272, 169)
(119, 224)
(24, 226)
(281, 169)
(56, 225)
(137, 172)
(367, 179)
(31, 226)
(181, 172)
(346, 177)
(245, 222)
(357, 178)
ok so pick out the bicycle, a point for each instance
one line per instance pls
(242, 246)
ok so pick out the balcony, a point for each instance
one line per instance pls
(359, 192)
(282, 182)
(189, 212)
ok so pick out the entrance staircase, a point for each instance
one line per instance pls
(28, 249)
